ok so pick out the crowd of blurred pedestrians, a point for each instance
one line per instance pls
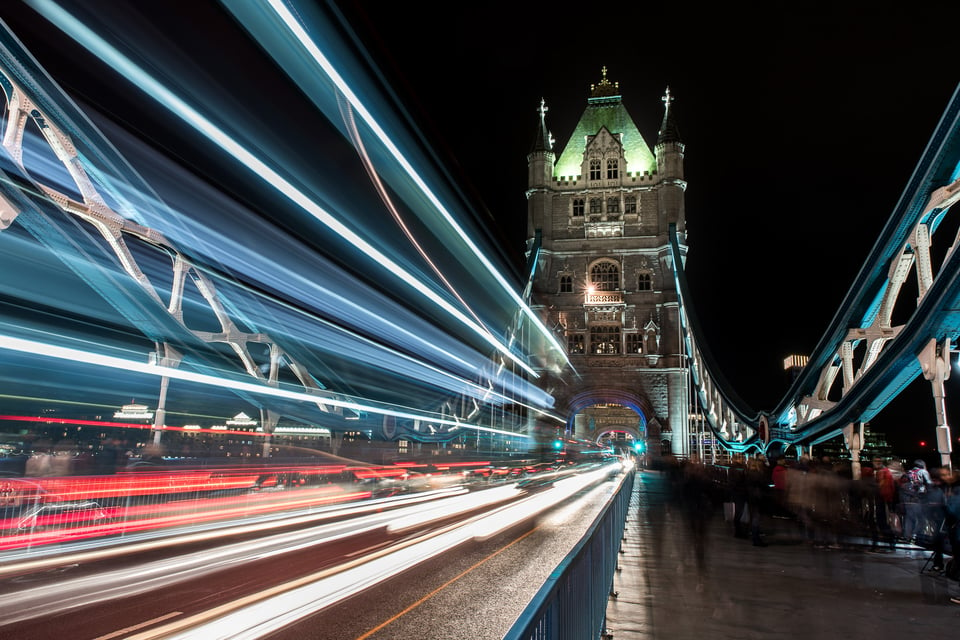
(887, 507)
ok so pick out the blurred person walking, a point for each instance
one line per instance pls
(756, 483)
(913, 492)
(737, 488)
(697, 496)
(935, 515)
(884, 494)
(778, 478)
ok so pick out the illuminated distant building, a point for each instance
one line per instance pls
(599, 211)
(134, 412)
(874, 444)
(793, 365)
(241, 420)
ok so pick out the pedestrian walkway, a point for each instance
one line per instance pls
(787, 589)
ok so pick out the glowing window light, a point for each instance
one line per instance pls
(320, 431)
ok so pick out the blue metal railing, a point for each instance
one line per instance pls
(572, 603)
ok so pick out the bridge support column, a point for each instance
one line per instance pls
(336, 439)
(935, 363)
(268, 422)
(853, 439)
(164, 356)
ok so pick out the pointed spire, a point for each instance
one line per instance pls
(543, 140)
(668, 128)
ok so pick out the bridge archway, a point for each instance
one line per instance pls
(609, 415)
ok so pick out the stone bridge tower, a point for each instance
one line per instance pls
(598, 216)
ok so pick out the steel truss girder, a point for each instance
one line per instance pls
(876, 360)
(115, 228)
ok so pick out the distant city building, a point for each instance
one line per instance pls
(793, 365)
(874, 444)
(134, 412)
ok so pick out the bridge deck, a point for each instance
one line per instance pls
(786, 589)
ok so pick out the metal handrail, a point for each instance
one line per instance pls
(572, 603)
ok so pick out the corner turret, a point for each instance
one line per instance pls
(669, 148)
(541, 157)
(539, 172)
(669, 151)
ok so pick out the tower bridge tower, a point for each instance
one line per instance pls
(598, 216)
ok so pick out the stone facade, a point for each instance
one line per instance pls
(599, 216)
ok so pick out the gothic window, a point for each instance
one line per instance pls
(594, 169)
(613, 205)
(578, 207)
(634, 343)
(566, 284)
(575, 343)
(596, 205)
(644, 282)
(630, 204)
(613, 169)
(605, 339)
(605, 276)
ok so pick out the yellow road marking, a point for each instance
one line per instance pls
(120, 632)
(443, 586)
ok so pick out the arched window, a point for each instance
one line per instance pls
(613, 205)
(596, 205)
(566, 284)
(578, 207)
(605, 276)
(630, 204)
(644, 282)
(613, 169)
(634, 343)
(575, 343)
(605, 339)
(594, 169)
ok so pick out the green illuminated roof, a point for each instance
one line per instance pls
(605, 110)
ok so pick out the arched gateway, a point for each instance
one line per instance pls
(598, 216)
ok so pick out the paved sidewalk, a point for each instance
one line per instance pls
(787, 589)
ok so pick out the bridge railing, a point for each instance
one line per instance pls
(572, 603)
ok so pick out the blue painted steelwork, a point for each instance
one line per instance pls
(936, 318)
(572, 603)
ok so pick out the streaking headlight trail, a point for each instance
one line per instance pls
(66, 353)
(176, 105)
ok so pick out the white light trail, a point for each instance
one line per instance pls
(307, 42)
(76, 355)
(159, 92)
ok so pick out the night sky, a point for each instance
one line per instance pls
(802, 127)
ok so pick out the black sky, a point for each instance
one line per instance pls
(802, 126)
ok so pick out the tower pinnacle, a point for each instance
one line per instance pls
(668, 127)
(544, 139)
